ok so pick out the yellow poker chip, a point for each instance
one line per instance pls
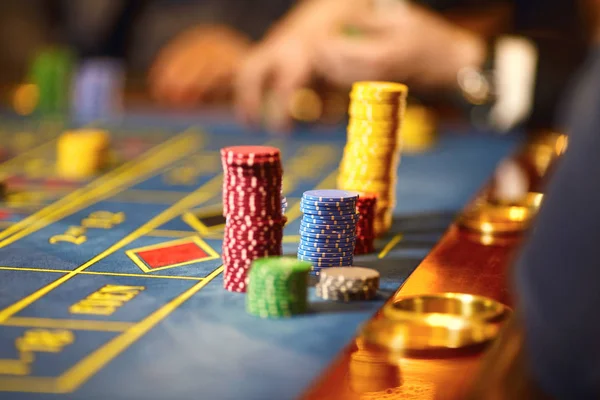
(82, 153)
(419, 129)
(379, 91)
(374, 111)
(375, 126)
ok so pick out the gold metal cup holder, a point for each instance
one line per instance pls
(493, 218)
(435, 325)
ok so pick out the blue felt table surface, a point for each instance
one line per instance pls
(205, 346)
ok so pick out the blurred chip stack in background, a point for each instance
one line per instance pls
(51, 74)
(98, 90)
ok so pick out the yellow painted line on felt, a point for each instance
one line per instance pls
(87, 367)
(391, 244)
(111, 183)
(26, 154)
(66, 271)
(74, 324)
(30, 384)
(291, 239)
(193, 222)
(192, 200)
(150, 196)
(169, 233)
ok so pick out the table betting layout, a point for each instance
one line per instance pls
(96, 304)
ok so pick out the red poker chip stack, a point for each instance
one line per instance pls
(252, 207)
(365, 230)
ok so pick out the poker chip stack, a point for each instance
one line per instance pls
(252, 207)
(50, 73)
(348, 284)
(277, 287)
(372, 152)
(98, 89)
(328, 228)
(365, 230)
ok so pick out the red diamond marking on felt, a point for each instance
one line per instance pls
(176, 254)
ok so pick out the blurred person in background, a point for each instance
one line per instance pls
(189, 49)
(425, 48)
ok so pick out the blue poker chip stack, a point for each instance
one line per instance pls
(98, 90)
(328, 228)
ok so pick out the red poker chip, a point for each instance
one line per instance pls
(247, 222)
(249, 159)
(253, 230)
(267, 174)
(243, 248)
(256, 241)
(250, 152)
(245, 253)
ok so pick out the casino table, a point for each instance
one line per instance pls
(111, 287)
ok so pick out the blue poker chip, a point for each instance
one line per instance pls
(321, 259)
(327, 206)
(349, 248)
(348, 226)
(308, 237)
(347, 237)
(330, 195)
(328, 231)
(330, 219)
(325, 263)
(327, 213)
(325, 246)
(325, 256)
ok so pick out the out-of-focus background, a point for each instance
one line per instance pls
(162, 43)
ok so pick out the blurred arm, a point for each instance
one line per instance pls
(558, 274)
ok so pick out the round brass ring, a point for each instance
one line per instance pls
(435, 322)
(493, 218)
(461, 305)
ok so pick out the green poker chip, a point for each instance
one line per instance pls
(277, 287)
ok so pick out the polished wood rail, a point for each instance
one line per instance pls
(465, 262)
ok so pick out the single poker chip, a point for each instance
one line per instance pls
(327, 213)
(327, 206)
(333, 211)
(344, 296)
(330, 195)
(346, 237)
(330, 219)
(325, 263)
(340, 254)
(324, 250)
(310, 225)
(250, 155)
(308, 241)
(338, 261)
(319, 233)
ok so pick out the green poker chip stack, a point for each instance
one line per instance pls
(51, 72)
(277, 287)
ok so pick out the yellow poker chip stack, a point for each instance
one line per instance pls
(372, 152)
(82, 153)
(418, 129)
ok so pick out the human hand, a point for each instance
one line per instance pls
(399, 42)
(197, 66)
(283, 62)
